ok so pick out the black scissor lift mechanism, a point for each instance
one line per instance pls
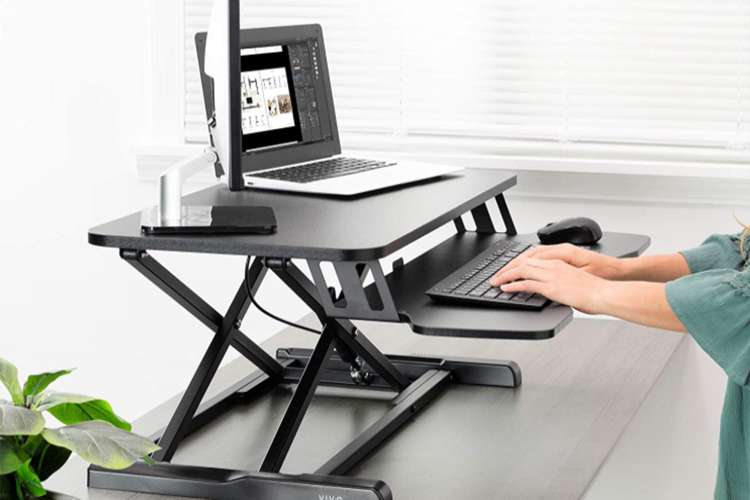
(343, 356)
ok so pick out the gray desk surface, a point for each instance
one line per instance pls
(545, 440)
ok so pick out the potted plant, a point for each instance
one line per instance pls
(30, 452)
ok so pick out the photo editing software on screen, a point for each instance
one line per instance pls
(280, 103)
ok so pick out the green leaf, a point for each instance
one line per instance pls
(102, 444)
(49, 459)
(31, 446)
(30, 481)
(20, 421)
(20, 494)
(10, 461)
(47, 400)
(9, 378)
(35, 384)
(73, 409)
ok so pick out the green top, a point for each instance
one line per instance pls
(714, 305)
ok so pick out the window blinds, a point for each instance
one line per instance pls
(644, 72)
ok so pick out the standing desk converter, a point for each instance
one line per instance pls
(352, 235)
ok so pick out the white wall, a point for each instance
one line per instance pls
(73, 87)
(77, 98)
(76, 92)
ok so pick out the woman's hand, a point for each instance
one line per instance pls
(555, 279)
(594, 263)
(637, 301)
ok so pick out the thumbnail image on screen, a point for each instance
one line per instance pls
(269, 115)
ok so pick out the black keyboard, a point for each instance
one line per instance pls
(470, 284)
(321, 170)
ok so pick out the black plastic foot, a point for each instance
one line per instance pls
(223, 484)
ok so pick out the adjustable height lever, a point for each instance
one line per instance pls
(358, 370)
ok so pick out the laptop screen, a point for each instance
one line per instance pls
(283, 111)
(279, 96)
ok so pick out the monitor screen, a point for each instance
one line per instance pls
(279, 96)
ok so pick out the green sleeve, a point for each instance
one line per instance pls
(714, 306)
(719, 251)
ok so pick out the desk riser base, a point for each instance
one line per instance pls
(463, 371)
(223, 484)
(428, 377)
(335, 373)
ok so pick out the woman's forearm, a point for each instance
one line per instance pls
(639, 302)
(657, 268)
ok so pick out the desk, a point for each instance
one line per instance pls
(352, 235)
(544, 440)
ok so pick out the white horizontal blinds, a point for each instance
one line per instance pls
(641, 71)
(362, 48)
(673, 72)
(666, 71)
(483, 68)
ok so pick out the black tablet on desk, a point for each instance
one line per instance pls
(208, 220)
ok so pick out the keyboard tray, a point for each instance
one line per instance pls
(427, 317)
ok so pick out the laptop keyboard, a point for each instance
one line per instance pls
(321, 170)
(470, 284)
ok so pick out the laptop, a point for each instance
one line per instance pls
(290, 139)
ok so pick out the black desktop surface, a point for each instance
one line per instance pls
(324, 228)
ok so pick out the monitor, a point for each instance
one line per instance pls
(220, 61)
(285, 109)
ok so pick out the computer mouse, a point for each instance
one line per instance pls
(578, 231)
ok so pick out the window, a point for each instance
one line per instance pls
(635, 74)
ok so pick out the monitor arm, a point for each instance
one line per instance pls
(218, 167)
(171, 182)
